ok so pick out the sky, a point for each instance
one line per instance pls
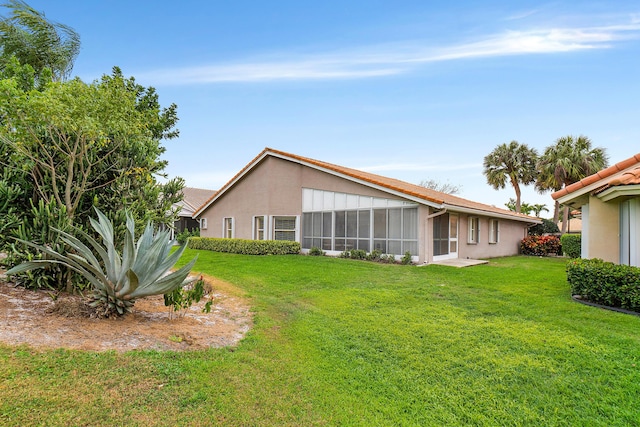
(413, 90)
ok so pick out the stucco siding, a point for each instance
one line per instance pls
(604, 230)
(274, 187)
(510, 235)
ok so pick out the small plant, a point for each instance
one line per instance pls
(180, 299)
(316, 251)
(387, 259)
(406, 259)
(117, 279)
(374, 255)
(184, 236)
(358, 254)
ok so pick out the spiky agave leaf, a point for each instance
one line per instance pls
(117, 280)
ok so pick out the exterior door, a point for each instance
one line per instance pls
(445, 236)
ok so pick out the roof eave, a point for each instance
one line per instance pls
(512, 217)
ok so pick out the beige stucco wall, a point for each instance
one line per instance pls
(511, 233)
(274, 187)
(604, 230)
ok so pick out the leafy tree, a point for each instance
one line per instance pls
(75, 146)
(525, 208)
(442, 187)
(49, 47)
(514, 163)
(538, 208)
(567, 161)
(547, 227)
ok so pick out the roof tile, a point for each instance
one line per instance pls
(598, 176)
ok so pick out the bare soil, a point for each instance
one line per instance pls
(43, 319)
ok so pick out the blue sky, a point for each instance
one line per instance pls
(408, 89)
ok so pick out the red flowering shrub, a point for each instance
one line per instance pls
(540, 245)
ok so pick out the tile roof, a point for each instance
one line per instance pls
(427, 195)
(598, 176)
(196, 197)
(631, 177)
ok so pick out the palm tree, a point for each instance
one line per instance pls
(538, 208)
(34, 40)
(567, 161)
(513, 162)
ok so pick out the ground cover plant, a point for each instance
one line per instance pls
(347, 342)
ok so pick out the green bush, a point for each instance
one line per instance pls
(605, 283)
(245, 247)
(571, 245)
(540, 245)
(547, 227)
(183, 236)
(316, 251)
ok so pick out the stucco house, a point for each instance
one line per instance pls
(610, 205)
(192, 199)
(283, 196)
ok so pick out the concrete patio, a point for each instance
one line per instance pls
(461, 262)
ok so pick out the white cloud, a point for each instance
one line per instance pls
(396, 58)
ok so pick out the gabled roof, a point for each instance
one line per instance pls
(192, 199)
(597, 180)
(393, 186)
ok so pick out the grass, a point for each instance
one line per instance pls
(342, 342)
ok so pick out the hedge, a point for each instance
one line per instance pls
(571, 245)
(605, 283)
(245, 247)
(540, 245)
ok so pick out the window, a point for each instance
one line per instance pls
(258, 228)
(227, 228)
(392, 231)
(203, 223)
(474, 230)
(494, 231)
(284, 228)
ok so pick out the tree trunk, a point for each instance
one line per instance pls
(565, 219)
(556, 212)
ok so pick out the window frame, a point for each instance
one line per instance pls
(473, 230)
(494, 231)
(203, 223)
(256, 230)
(228, 228)
(273, 230)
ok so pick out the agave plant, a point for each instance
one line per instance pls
(117, 279)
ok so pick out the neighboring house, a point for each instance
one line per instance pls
(610, 205)
(283, 196)
(192, 199)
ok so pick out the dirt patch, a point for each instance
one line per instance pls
(45, 320)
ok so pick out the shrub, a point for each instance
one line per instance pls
(547, 227)
(39, 227)
(245, 247)
(374, 255)
(117, 278)
(184, 235)
(406, 259)
(181, 299)
(316, 251)
(571, 245)
(605, 283)
(540, 245)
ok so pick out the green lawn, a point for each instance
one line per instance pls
(341, 342)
